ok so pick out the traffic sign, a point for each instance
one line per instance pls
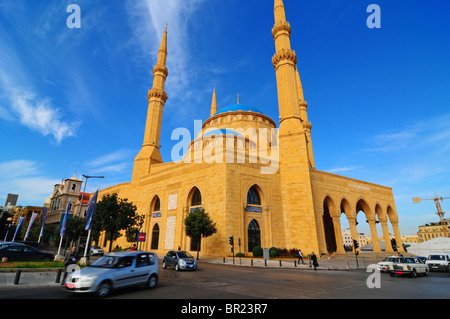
(142, 236)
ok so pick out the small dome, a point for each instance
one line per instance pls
(238, 107)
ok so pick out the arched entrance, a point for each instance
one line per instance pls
(253, 235)
(328, 226)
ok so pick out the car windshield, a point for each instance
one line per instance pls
(109, 261)
(184, 254)
(436, 257)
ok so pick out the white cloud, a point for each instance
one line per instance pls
(116, 162)
(23, 177)
(148, 19)
(40, 115)
(341, 169)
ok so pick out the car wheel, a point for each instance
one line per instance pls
(152, 281)
(104, 289)
(414, 273)
(426, 272)
(164, 264)
(177, 267)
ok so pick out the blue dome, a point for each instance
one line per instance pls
(238, 107)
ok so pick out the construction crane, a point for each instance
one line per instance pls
(440, 212)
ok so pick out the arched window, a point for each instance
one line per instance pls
(155, 237)
(157, 205)
(254, 235)
(196, 198)
(253, 197)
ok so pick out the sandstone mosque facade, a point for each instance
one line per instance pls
(259, 186)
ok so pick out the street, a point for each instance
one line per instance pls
(217, 281)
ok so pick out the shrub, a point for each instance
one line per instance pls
(240, 255)
(257, 251)
(273, 252)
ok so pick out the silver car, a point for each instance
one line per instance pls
(179, 260)
(115, 270)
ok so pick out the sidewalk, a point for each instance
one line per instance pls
(31, 278)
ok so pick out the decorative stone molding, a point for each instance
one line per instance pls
(281, 26)
(284, 54)
(158, 94)
(160, 69)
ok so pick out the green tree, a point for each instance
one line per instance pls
(112, 215)
(198, 224)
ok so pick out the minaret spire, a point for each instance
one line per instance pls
(295, 151)
(157, 98)
(214, 103)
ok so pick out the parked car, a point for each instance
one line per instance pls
(179, 260)
(113, 271)
(21, 252)
(411, 266)
(96, 250)
(33, 244)
(439, 261)
(383, 265)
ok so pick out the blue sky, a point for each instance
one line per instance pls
(75, 100)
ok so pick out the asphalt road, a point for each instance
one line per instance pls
(226, 282)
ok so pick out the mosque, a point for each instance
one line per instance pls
(257, 181)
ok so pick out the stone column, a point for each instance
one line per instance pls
(353, 230)
(398, 238)
(338, 234)
(387, 239)
(373, 232)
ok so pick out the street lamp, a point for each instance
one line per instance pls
(82, 195)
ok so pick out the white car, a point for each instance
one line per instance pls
(96, 250)
(411, 266)
(115, 270)
(383, 265)
(439, 261)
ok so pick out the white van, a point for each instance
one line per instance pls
(439, 261)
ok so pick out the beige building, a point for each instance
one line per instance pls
(257, 181)
(432, 230)
(68, 190)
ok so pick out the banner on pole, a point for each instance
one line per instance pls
(18, 226)
(33, 217)
(63, 225)
(90, 208)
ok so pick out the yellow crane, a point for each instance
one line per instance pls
(440, 212)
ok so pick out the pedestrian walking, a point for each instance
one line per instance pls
(314, 261)
(71, 259)
(300, 256)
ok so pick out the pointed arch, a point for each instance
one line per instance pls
(328, 225)
(155, 237)
(253, 235)
(253, 196)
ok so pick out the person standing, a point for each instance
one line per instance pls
(71, 259)
(314, 261)
(300, 256)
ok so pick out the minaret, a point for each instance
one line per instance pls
(304, 118)
(157, 97)
(295, 166)
(214, 103)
